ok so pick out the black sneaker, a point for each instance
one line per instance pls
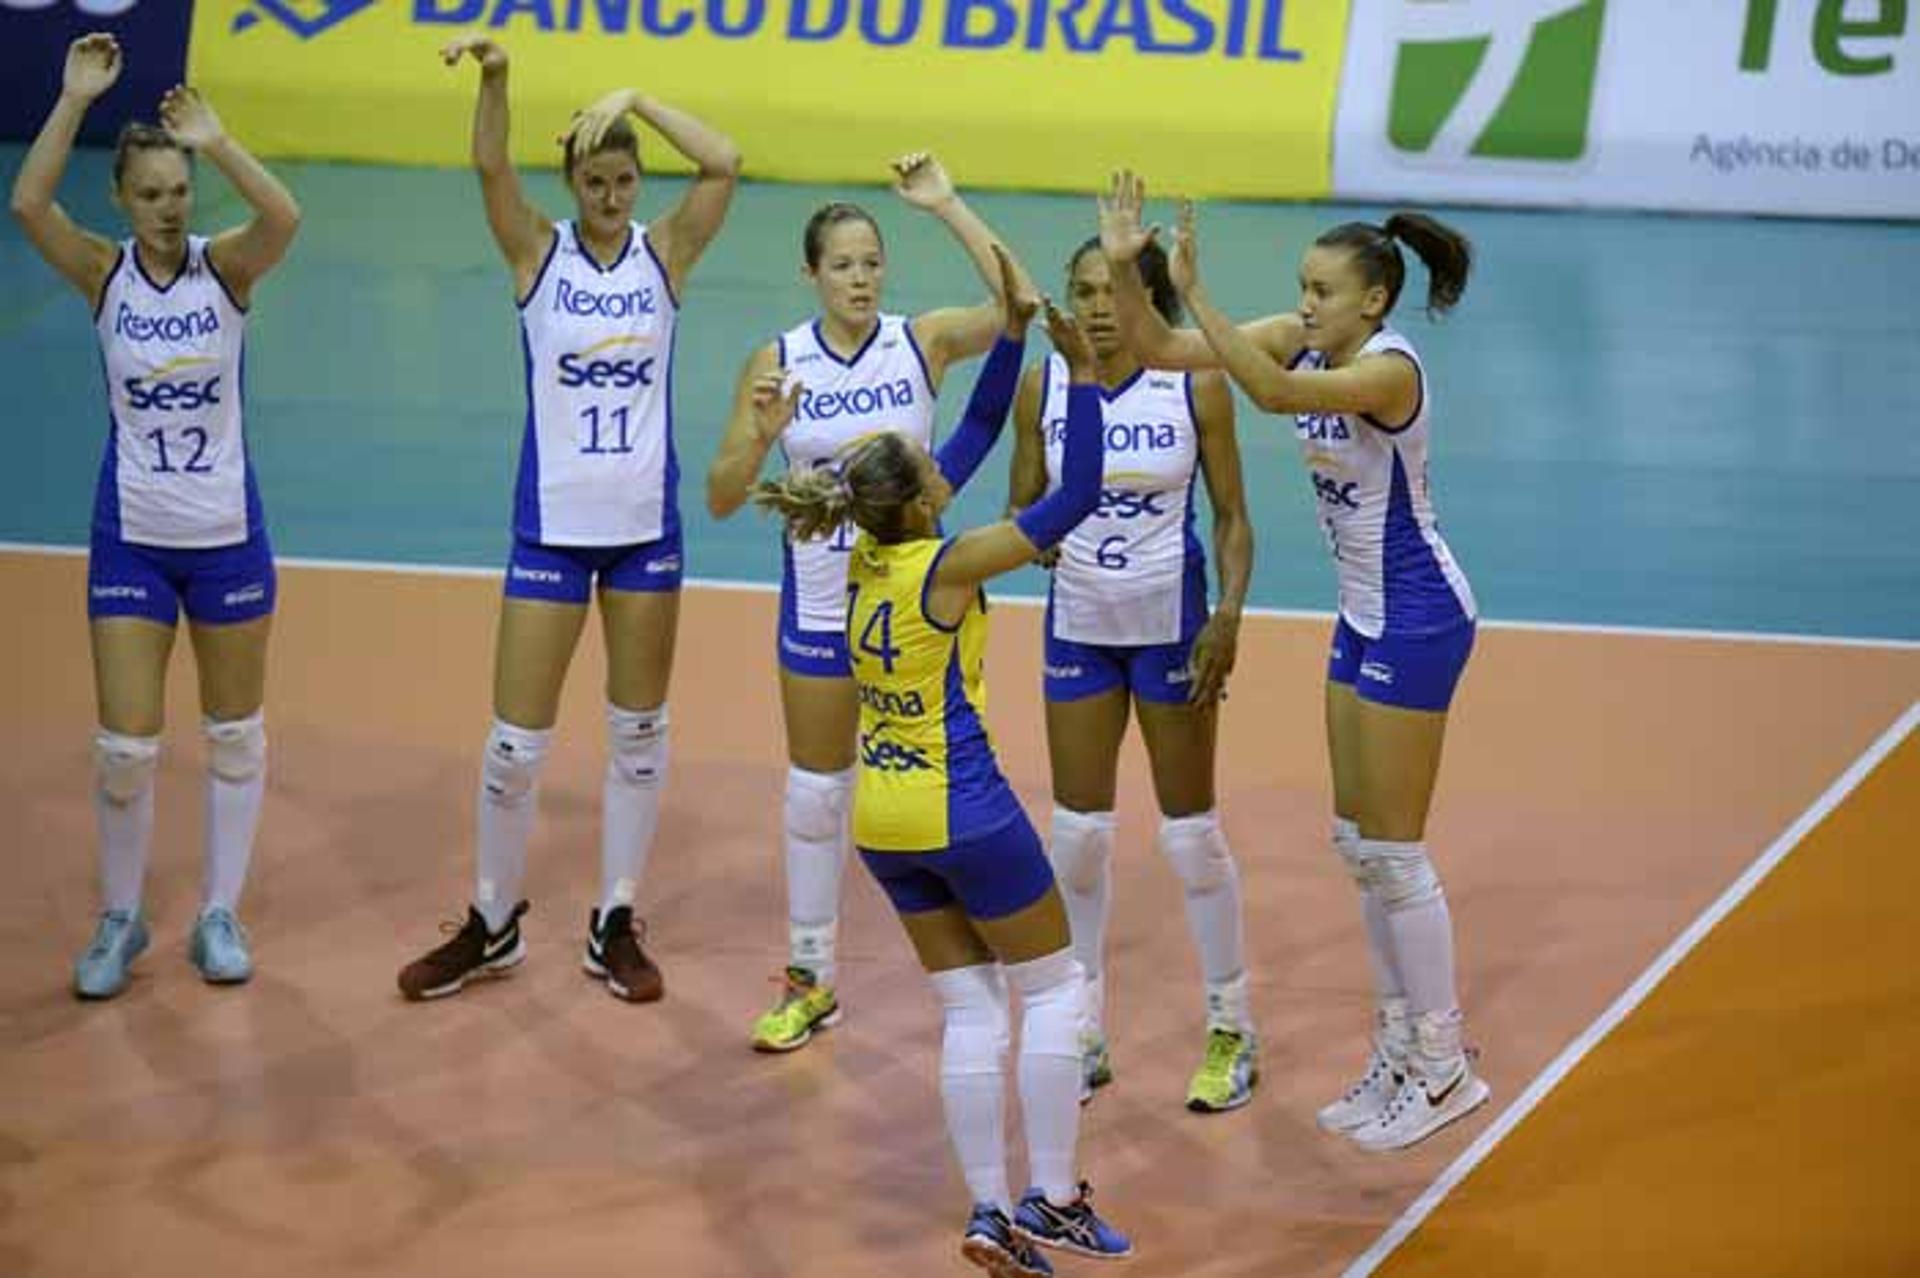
(473, 951)
(614, 954)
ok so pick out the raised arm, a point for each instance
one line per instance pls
(523, 233)
(976, 555)
(949, 334)
(1386, 387)
(993, 390)
(1027, 479)
(1215, 647)
(1156, 343)
(762, 407)
(244, 253)
(82, 257)
(682, 235)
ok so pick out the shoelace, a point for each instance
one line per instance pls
(794, 986)
(1222, 1047)
(1377, 1069)
(112, 927)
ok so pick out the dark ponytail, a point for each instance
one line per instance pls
(1447, 255)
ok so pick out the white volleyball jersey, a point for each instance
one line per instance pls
(1370, 485)
(1133, 572)
(597, 464)
(175, 471)
(844, 402)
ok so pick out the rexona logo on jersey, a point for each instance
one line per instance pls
(861, 401)
(1494, 79)
(600, 367)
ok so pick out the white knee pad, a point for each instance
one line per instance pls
(1198, 851)
(1346, 846)
(122, 765)
(637, 745)
(974, 1003)
(511, 768)
(1053, 993)
(1080, 846)
(1399, 874)
(236, 748)
(817, 803)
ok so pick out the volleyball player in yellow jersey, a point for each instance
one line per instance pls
(936, 822)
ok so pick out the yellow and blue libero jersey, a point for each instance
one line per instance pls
(927, 775)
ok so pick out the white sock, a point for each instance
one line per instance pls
(236, 783)
(1386, 978)
(509, 793)
(816, 812)
(973, 1055)
(1052, 995)
(1421, 926)
(1197, 849)
(1080, 846)
(123, 812)
(630, 800)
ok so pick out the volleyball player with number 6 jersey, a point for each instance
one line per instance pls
(934, 819)
(177, 520)
(1363, 415)
(1128, 630)
(594, 506)
(860, 371)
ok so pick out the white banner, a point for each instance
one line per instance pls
(1746, 106)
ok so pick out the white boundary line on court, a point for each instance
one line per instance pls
(1635, 994)
(1029, 601)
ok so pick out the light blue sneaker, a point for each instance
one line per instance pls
(1074, 1227)
(102, 971)
(219, 948)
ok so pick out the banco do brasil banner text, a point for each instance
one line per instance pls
(1209, 97)
(1762, 106)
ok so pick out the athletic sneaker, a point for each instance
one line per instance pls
(472, 952)
(1422, 1106)
(991, 1244)
(1073, 1228)
(1226, 1077)
(1096, 1067)
(219, 948)
(805, 1006)
(101, 971)
(614, 953)
(1369, 1096)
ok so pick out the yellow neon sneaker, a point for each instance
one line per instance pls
(1226, 1077)
(805, 1006)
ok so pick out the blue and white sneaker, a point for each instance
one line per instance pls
(991, 1243)
(1074, 1227)
(219, 948)
(101, 971)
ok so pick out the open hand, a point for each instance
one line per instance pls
(93, 64)
(189, 118)
(921, 180)
(1071, 341)
(1122, 238)
(774, 404)
(1184, 265)
(1021, 305)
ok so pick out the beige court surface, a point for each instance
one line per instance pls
(1599, 792)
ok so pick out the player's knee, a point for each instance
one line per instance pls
(1080, 847)
(122, 765)
(237, 748)
(511, 768)
(1197, 849)
(1400, 875)
(1053, 992)
(1346, 846)
(817, 803)
(974, 1005)
(637, 746)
